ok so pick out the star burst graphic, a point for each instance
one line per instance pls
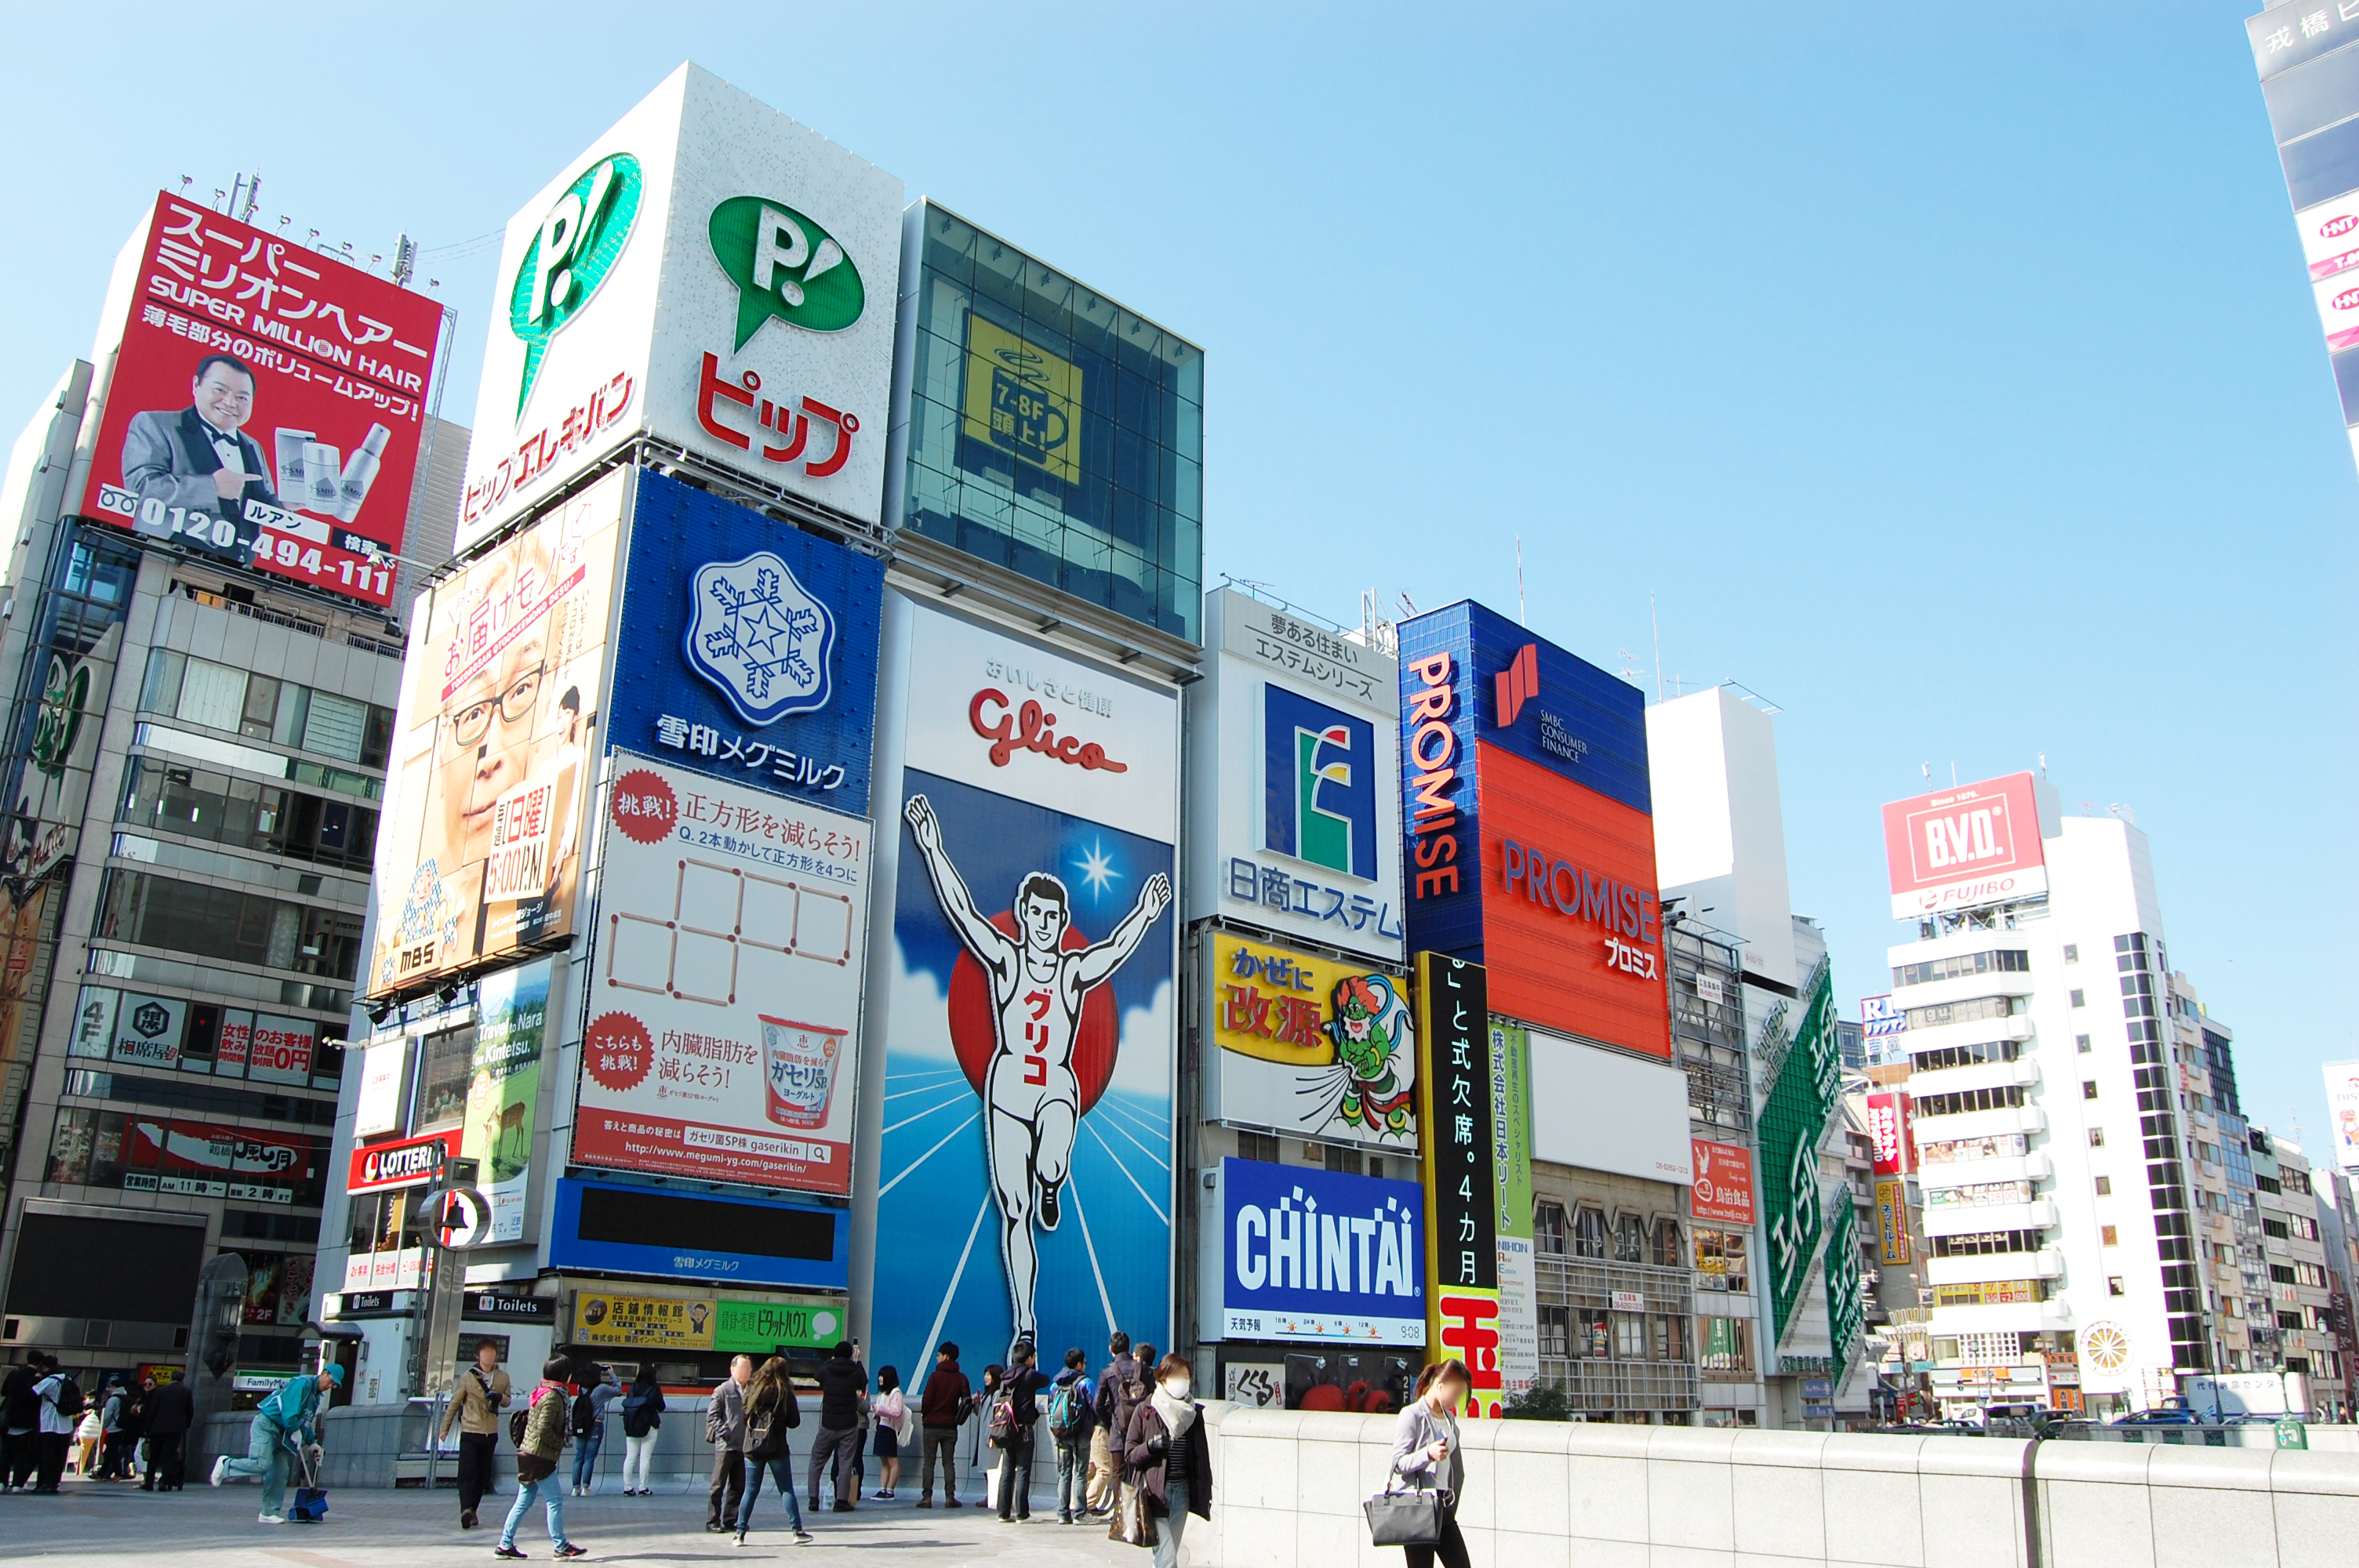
(1097, 868)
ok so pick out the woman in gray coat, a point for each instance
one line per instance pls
(1425, 1454)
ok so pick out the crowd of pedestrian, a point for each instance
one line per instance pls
(122, 1433)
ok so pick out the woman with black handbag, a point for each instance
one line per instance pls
(1426, 1455)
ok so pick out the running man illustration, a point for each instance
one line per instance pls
(1037, 992)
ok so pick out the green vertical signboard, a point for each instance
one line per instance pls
(1791, 1120)
(1511, 1153)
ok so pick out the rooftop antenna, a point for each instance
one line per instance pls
(2043, 764)
(253, 196)
(1927, 769)
(1521, 617)
(1656, 616)
(1954, 775)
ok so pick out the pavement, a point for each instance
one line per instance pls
(95, 1523)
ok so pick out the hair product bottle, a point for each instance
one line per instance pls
(319, 493)
(290, 486)
(360, 473)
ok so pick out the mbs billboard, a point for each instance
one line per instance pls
(1529, 830)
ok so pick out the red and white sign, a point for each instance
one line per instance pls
(391, 1269)
(1723, 1183)
(725, 1011)
(268, 405)
(407, 1162)
(281, 1049)
(1887, 1130)
(1959, 848)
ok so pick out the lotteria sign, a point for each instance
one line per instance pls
(408, 1162)
(1529, 824)
(1308, 1254)
(711, 274)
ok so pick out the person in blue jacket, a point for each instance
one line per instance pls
(287, 1420)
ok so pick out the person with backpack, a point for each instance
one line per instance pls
(843, 1391)
(643, 1409)
(60, 1402)
(287, 1418)
(1171, 1460)
(1072, 1418)
(477, 1397)
(890, 1411)
(589, 1419)
(1129, 1524)
(724, 1428)
(118, 1430)
(1015, 1429)
(539, 1431)
(771, 1409)
(994, 1376)
(942, 1409)
(1105, 1474)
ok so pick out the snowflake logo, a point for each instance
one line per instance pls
(755, 632)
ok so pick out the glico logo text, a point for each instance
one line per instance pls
(1433, 747)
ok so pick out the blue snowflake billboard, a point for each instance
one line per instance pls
(748, 647)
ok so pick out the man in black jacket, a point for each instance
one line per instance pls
(168, 1413)
(20, 1419)
(1025, 1381)
(1105, 1468)
(724, 1428)
(842, 1400)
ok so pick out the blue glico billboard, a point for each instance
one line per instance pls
(1314, 1255)
(748, 648)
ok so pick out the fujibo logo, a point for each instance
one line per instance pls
(784, 265)
(581, 234)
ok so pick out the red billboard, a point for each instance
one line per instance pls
(1971, 845)
(1723, 1183)
(267, 405)
(1887, 1130)
(204, 1159)
(404, 1163)
(1572, 929)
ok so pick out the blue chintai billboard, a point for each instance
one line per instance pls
(1022, 980)
(1318, 1256)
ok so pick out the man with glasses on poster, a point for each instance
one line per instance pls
(198, 466)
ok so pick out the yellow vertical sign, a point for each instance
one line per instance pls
(1023, 399)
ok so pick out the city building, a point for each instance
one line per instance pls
(1754, 1022)
(201, 673)
(2053, 1100)
(858, 551)
(2293, 1244)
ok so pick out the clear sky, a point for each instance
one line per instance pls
(1949, 375)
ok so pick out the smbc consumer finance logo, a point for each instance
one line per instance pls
(581, 236)
(786, 265)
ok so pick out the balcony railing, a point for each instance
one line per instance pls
(1619, 1387)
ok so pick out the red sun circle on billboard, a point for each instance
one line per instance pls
(974, 1039)
(644, 807)
(618, 1052)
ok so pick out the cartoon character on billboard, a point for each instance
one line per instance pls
(1368, 1086)
(1038, 989)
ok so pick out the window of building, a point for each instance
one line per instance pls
(1596, 1335)
(1962, 1102)
(2096, 1138)
(2105, 1186)
(1342, 1157)
(1086, 475)
(1629, 1337)
(1724, 1344)
(2080, 999)
(1964, 1055)
(1990, 1293)
(225, 923)
(1670, 1337)
(1979, 1010)
(2109, 1236)
(197, 802)
(1629, 1239)
(1548, 1226)
(2088, 1088)
(2282, 1272)
(446, 1063)
(1667, 1251)
(2071, 952)
(2113, 1286)
(1985, 1243)
(1720, 1261)
(1989, 1349)
(1960, 965)
(2291, 1320)
(1259, 1146)
(2276, 1227)
(1555, 1332)
(219, 696)
(154, 1154)
(2081, 1043)
(1589, 1233)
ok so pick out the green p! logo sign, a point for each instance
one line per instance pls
(784, 265)
(579, 237)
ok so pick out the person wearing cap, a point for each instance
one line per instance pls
(286, 1420)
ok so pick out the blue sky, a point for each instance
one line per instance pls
(1948, 376)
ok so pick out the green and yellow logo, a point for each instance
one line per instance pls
(784, 265)
(580, 239)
